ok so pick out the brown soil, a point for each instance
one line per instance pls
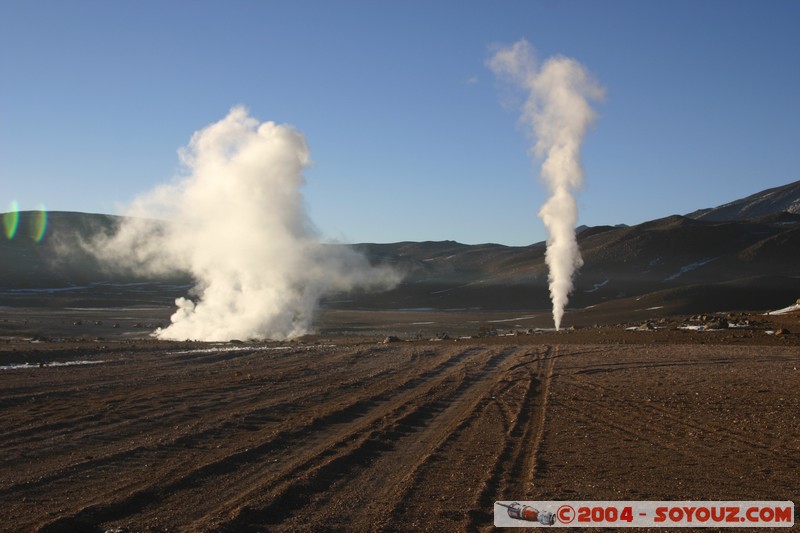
(339, 432)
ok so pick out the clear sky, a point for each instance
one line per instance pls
(411, 135)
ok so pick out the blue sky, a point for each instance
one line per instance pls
(412, 137)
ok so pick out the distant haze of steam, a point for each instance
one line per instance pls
(558, 113)
(237, 222)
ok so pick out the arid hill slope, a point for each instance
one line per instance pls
(690, 263)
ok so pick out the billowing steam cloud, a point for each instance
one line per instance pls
(237, 222)
(558, 112)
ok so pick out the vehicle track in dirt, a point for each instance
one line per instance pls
(404, 436)
(367, 475)
(682, 420)
(232, 469)
(490, 450)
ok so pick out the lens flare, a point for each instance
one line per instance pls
(11, 220)
(38, 224)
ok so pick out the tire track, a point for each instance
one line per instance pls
(146, 455)
(515, 471)
(250, 461)
(374, 492)
(467, 460)
(221, 426)
(643, 415)
(396, 437)
(404, 430)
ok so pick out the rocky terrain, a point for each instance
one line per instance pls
(675, 378)
(367, 431)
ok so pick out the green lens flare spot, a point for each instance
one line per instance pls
(11, 220)
(38, 224)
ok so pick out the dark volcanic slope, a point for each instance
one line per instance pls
(678, 252)
(59, 259)
(57, 270)
(746, 263)
(681, 264)
(26, 263)
(768, 202)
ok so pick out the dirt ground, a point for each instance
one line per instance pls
(119, 432)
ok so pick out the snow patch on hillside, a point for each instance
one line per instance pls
(597, 286)
(785, 310)
(689, 267)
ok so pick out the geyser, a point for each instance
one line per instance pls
(558, 113)
(236, 221)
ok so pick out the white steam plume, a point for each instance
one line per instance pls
(237, 222)
(558, 113)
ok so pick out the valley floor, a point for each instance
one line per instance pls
(349, 433)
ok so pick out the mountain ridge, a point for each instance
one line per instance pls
(781, 199)
(674, 262)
